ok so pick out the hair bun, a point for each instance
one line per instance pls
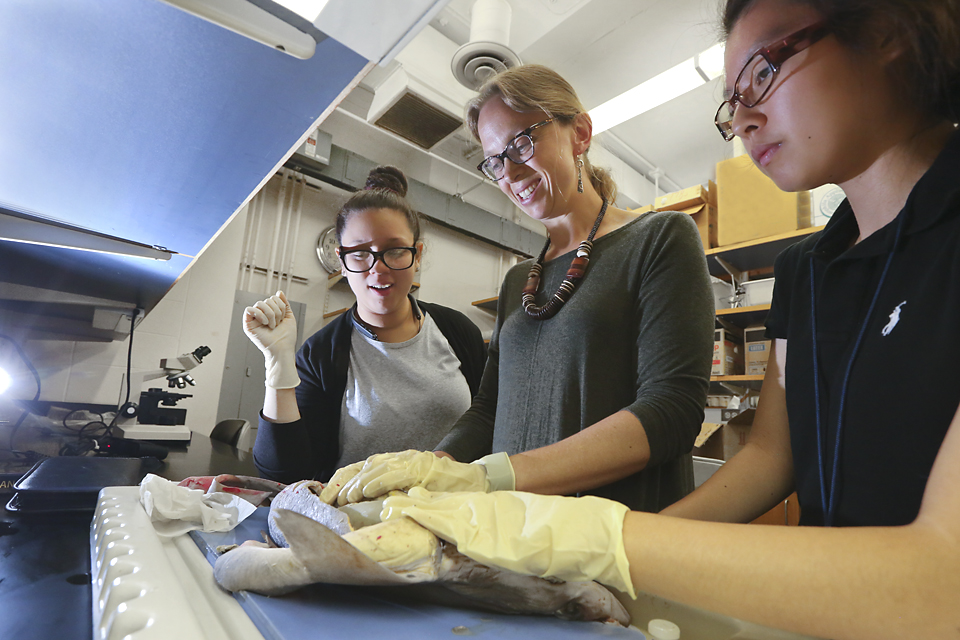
(388, 178)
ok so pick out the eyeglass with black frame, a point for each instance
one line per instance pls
(519, 150)
(757, 76)
(362, 260)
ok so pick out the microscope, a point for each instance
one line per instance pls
(152, 418)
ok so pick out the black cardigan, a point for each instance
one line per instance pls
(309, 447)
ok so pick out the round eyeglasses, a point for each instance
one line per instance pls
(757, 76)
(519, 150)
(362, 260)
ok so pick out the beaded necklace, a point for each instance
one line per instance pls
(570, 281)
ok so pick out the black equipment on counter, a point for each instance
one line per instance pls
(119, 447)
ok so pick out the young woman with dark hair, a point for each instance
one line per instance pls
(391, 373)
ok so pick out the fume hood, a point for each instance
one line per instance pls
(137, 121)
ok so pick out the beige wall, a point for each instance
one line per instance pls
(197, 310)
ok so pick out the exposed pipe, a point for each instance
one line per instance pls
(245, 253)
(288, 222)
(296, 234)
(281, 204)
(657, 174)
(394, 136)
(618, 146)
(490, 21)
(256, 241)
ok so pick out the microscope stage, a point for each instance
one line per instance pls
(176, 432)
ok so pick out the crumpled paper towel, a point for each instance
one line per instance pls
(175, 510)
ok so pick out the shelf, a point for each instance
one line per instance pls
(737, 378)
(740, 381)
(744, 317)
(754, 254)
(335, 313)
(489, 304)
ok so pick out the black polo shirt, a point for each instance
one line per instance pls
(905, 386)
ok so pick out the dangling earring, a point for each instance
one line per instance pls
(579, 174)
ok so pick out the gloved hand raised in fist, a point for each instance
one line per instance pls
(385, 472)
(271, 326)
(573, 539)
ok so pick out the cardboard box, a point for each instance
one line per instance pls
(751, 206)
(756, 350)
(700, 203)
(686, 198)
(727, 352)
(705, 217)
(736, 432)
(722, 441)
(706, 445)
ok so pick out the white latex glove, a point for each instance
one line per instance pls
(574, 539)
(385, 472)
(271, 326)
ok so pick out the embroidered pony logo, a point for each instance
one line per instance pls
(894, 319)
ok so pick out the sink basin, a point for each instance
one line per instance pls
(698, 624)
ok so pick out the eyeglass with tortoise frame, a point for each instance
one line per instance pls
(519, 150)
(758, 75)
(362, 260)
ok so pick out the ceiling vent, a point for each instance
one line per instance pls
(415, 119)
(487, 52)
(419, 99)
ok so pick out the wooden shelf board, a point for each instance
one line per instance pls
(335, 313)
(743, 310)
(742, 381)
(743, 317)
(755, 254)
(737, 378)
(490, 304)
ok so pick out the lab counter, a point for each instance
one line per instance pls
(45, 586)
(45, 558)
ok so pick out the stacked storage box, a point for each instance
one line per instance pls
(700, 203)
(751, 206)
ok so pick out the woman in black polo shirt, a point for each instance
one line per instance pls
(859, 407)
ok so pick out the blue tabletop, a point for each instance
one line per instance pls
(395, 613)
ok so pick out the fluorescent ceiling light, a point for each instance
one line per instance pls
(29, 228)
(247, 19)
(5, 380)
(672, 83)
(710, 62)
(307, 9)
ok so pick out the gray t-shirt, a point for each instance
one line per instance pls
(636, 335)
(402, 395)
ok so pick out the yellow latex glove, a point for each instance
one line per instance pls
(271, 326)
(574, 539)
(385, 472)
(400, 545)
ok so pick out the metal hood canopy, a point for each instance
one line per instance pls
(135, 120)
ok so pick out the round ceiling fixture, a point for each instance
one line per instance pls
(475, 62)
